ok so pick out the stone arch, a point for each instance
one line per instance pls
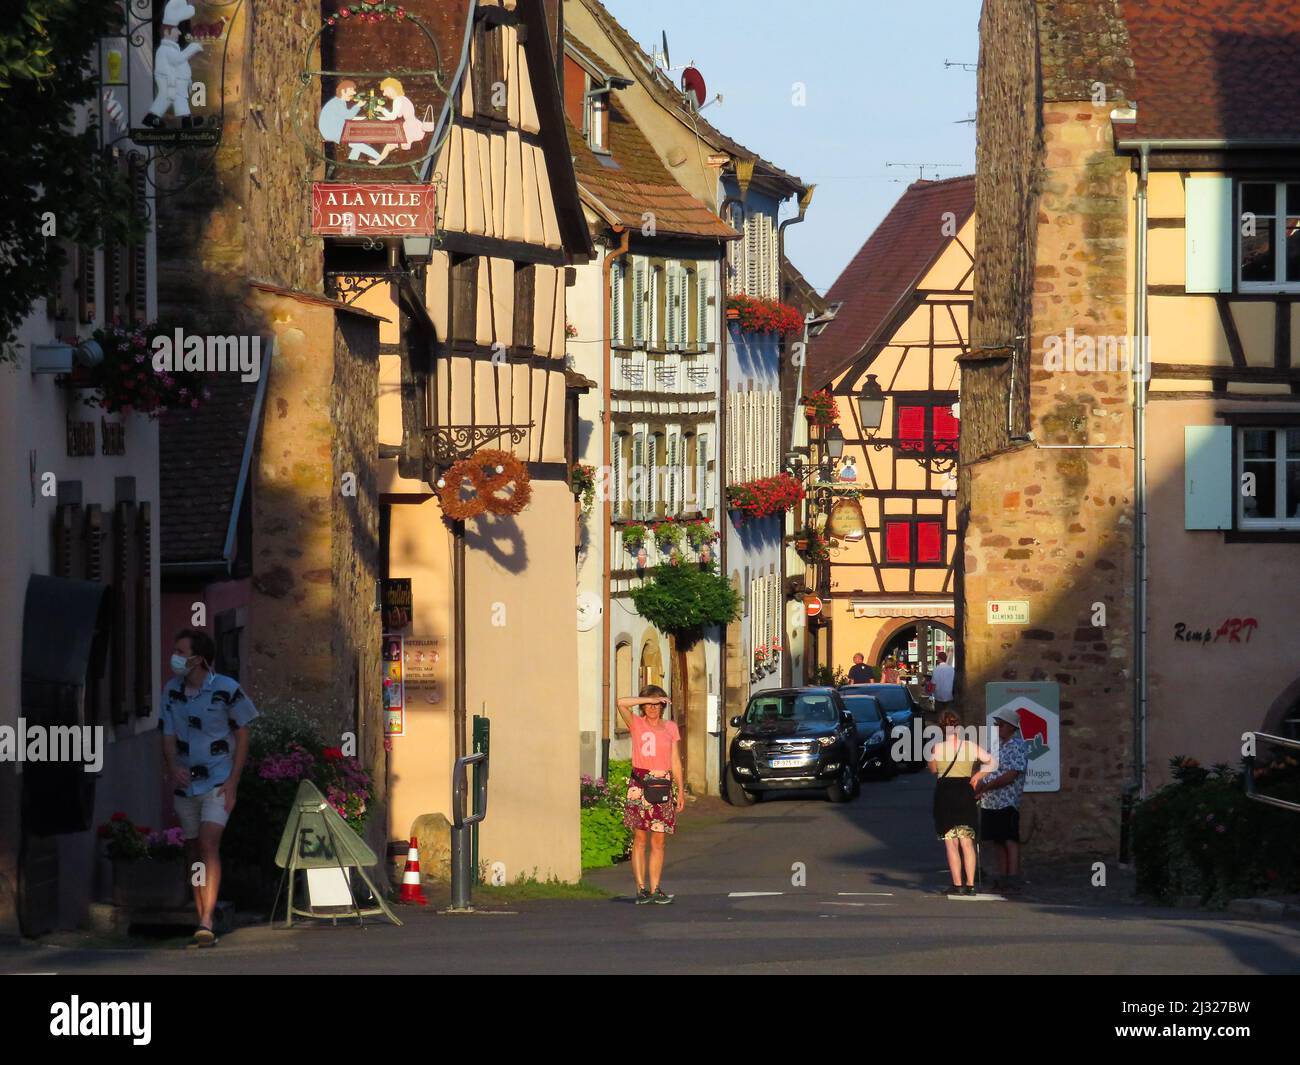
(1287, 704)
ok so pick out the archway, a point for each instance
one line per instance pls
(915, 641)
(1283, 717)
(652, 663)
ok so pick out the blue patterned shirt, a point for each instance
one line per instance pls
(204, 725)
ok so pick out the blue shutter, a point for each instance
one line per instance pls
(1207, 477)
(1209, 226)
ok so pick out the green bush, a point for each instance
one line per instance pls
(1201, 836)
(604, 837)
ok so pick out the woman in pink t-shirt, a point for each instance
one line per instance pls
(651, 810)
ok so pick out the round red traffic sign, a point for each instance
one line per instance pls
(813, 605)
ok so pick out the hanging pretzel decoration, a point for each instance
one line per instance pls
(490, 481)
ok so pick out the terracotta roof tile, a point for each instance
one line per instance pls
(887, 267)
(1215, 69)
(201, 453)
(638, 183)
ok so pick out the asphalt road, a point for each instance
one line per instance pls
(795, 885)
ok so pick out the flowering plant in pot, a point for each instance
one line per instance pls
(126, 381)
(812, 545)
(764, 316)
(768, 495)
(821, 409)
(774, 656)
(582, 479)
(634, 534)
(148, 864)
(700, 534)
(669, 534)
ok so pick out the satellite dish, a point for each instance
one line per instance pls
(693, 86)
(589, 610)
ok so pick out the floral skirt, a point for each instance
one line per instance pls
(638, 814)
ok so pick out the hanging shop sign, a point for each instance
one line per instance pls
(352, 210)
(397, 604)
(1008, 612)
(378, 111)
(424, 671)
(394, 688)
(1038, 707)
(162, 79)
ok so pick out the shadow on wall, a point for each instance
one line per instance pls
(499, 537)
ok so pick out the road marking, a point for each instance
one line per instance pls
(846, 904)
(751, 894)
(886, 894)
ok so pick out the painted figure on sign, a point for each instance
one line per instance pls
(332, 118)
(849, 471)
(401, 110)
(171, 69)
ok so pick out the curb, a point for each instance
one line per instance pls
(1265, 908)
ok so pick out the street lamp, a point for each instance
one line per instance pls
(871, 404)
(833, 439)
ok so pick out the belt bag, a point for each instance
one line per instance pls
(656, 790)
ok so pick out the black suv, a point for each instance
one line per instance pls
(793, 738)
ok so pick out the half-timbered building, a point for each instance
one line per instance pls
(646, 329)
(901, 313)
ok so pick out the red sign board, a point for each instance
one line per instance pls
(813, 605)
(354, 210)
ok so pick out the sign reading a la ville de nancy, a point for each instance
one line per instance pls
(355, 210)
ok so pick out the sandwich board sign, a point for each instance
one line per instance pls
(1038, 705)
(316, 839)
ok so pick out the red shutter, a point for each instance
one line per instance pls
(898, 541)
(945, 429)
(911, 428)
(929, 541)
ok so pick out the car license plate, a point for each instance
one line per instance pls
(787, 763)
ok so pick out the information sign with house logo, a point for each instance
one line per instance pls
(1038, 705)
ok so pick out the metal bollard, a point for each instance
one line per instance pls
(462, 873)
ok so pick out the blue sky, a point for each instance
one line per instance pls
(876, 91)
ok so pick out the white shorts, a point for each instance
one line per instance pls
(194, 809)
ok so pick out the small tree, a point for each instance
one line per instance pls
(682, 601)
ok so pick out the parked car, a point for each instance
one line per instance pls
(875, 745)
(793, 738)
(900, 704)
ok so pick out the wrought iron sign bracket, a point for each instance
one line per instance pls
(447, 444)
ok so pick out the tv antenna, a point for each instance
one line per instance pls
(950, 63)
(922, 167)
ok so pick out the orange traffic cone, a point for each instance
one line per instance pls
(411, 890)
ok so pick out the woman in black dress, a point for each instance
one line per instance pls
(955, 811)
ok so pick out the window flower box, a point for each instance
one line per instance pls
(764, 316)
(764, 497)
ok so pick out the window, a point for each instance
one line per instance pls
(913, 540)
(752, 265)
(595, 118)
(1269, 476)
(1269, 255)
(924, 426)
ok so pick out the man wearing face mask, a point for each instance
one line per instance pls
(204, 720)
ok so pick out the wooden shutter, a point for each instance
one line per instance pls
(898, 541)
(703, 489)
(929, 541)
(639, 329)
(85, 284)
(616, 288)
(1208, 482)
(654, 456)
(703, 287)
(733, 435)
(138, 170)
(945, 429)
(640, 486)
(123, 591)
(747, 435)
(98, 691)
(489, 71)
(618, 469)
(525, 302)
(464, 299)
(674, 474)
(1209, 226)
(911, 428)
(144, 611)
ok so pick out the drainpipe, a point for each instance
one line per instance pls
(606, 514)
(724, 343)
(781, 291)
(1140, 486)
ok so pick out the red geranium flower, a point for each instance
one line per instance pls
(332, 754)
(119, 816)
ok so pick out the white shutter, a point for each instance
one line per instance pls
(670, 305)
(776, 433)
(1209, 233)
(1207, 477)
(639, 268)
(618, 492)
(732, 428)
(775, 624)
(670, 476)
(747, 435)
(616, 302)
(638, 475)
(705, 498)
(703, 290)
(652, 472)
(683, 305)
